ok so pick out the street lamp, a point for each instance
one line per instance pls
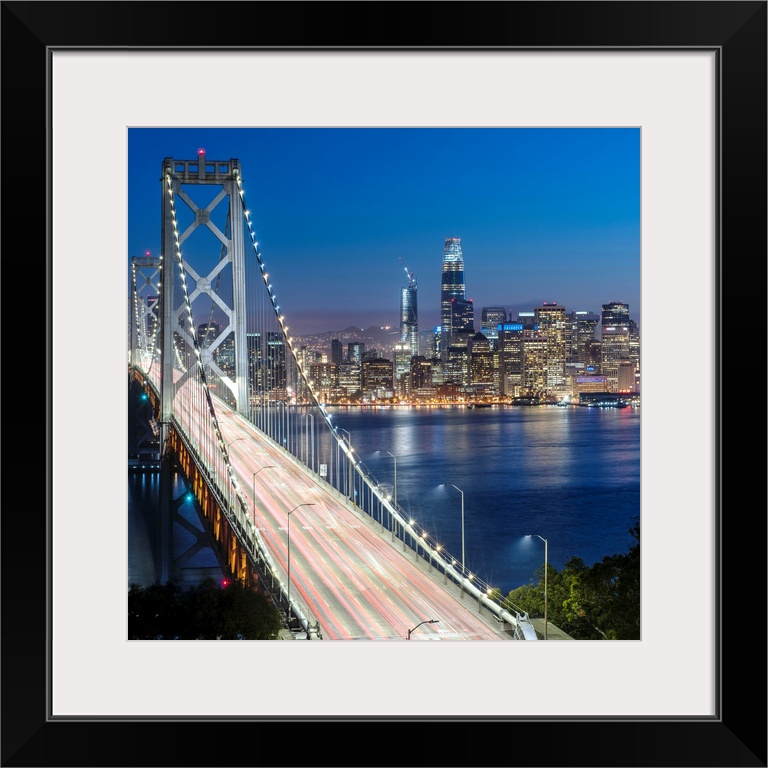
(234, 441)
(308, 504)
(462, 524)
(394, 493)
(429, 621)
(546, 556)
(269, 466)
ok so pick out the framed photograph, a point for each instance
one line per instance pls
(691, 76)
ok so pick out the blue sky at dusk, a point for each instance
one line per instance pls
(544, 215)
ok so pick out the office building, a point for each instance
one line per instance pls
(409, 316)
(452, 286)
(337, 352)
(581, 331)
(490, 320)
(552, 325)
(376, 379)
(355, 352)
(462, 317)
(615, 342)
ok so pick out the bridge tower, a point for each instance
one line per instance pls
(145, 322)
(204, 274)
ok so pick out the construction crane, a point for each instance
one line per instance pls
(411, 276)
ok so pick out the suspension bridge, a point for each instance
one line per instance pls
(289, 506)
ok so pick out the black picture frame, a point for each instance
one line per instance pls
(736, 736)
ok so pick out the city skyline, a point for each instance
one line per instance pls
(543, 215)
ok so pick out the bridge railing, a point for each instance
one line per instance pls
(236, 509)
(412, 535)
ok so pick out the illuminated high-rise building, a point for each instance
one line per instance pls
(462, 317)
(580, 333)
(276, 364)
(355, 351)
(409, 316)
(551, 322)
(615, 313)
(402, 362)
(615, 337)
(452, 286)
(337, 352)
(491, 319)
(512, 347)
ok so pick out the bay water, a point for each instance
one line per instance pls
(570, 475)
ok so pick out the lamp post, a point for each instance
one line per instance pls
(232, 442)
(308, 504)
(429, 621)
(462, 524)
(546, 556)
(269, 466)
(394, 492)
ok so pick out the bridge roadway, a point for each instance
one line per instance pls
(345, 571)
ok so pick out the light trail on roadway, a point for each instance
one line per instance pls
(345, 572)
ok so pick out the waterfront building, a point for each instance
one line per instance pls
(376, 379)
(324, 378)
(420, 374)
(634, 353)
(585, 383)
(551, 322)
(614, 352)
(512, 353)
(402, 362)
(625, 378)
(535, 365)
(456, 366)
(615, 333)
(409, 315)
(483, 375)
(452, 285)
(350, 378)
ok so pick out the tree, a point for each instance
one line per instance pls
(204, 612)
(601, 602)
(153, 612)
(248, 615)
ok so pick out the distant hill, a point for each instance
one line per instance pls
(382, 338)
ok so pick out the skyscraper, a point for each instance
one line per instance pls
(452, 284)
(615, 327)
(580, 333)
(337, 354)
(409, 316)
(491, 319)
(551, 322)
